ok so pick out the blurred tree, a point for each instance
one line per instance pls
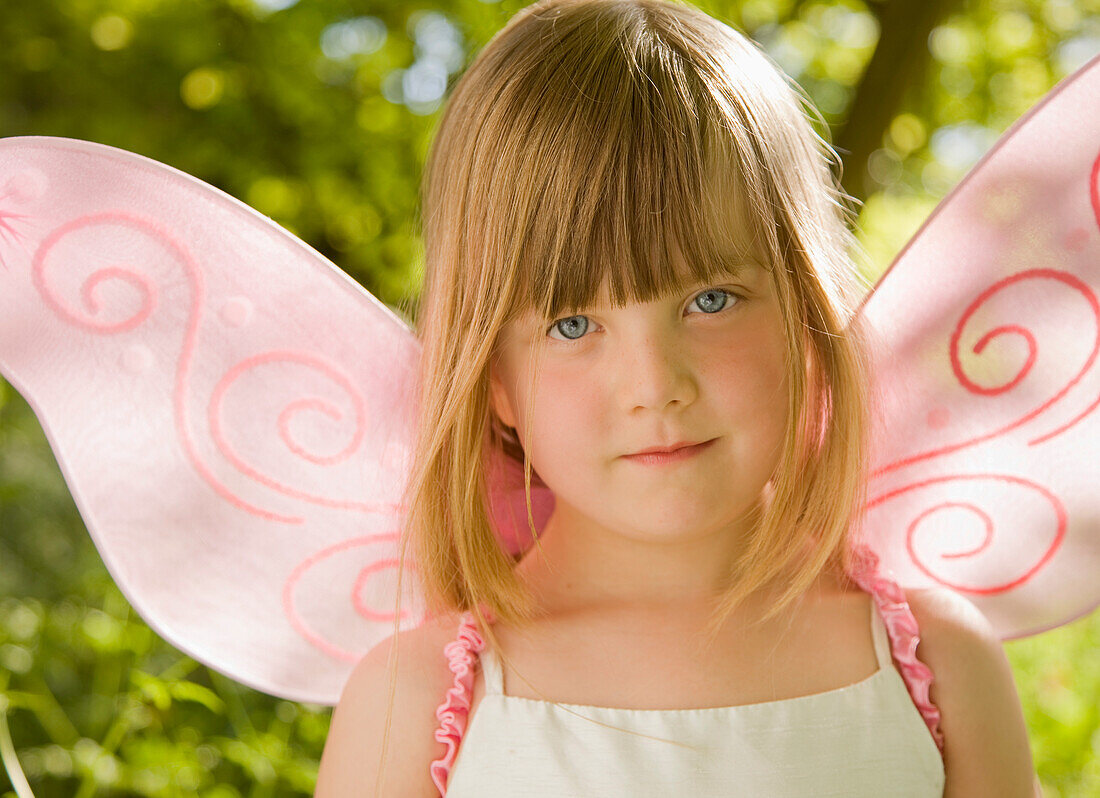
(900, 60)
(319, 113)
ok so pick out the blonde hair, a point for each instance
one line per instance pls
(587, 139)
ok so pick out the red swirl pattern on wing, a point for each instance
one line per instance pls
(157, 245)
(956, 365)
(1061, 517)
(375, 567)
(1076, 244)
(1039, 559)
(148, 296)
(315, 404)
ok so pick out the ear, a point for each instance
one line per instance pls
(499, 401)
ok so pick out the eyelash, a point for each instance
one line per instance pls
(727, 291)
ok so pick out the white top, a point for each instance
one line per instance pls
(865, 739)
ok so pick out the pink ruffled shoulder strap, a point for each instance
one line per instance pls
(901, 626)
(903, 631)
(454, 712)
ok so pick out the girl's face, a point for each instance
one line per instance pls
(704, 365)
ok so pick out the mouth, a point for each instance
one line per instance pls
(669, 454)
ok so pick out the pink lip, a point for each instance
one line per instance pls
(668, 454)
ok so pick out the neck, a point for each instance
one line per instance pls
(580, 565)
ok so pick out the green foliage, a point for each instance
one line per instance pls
(1058, 678)
(311, 114)
(98, 704)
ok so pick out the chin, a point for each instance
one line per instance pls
(678, 527)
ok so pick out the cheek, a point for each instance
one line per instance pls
(749, 389)
(750, 379)
(562, 419)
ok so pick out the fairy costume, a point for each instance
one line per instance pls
(231, 411)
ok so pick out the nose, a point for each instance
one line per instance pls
(655, 372)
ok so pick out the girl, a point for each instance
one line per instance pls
(638, 286)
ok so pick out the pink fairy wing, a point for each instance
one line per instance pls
(232, 413)
(985, 336)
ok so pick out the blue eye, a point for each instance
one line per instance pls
(572, 328)
(712, 300)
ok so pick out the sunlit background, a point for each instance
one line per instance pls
(319, 114)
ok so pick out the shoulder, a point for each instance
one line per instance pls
(986, 748)
(352, 757)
